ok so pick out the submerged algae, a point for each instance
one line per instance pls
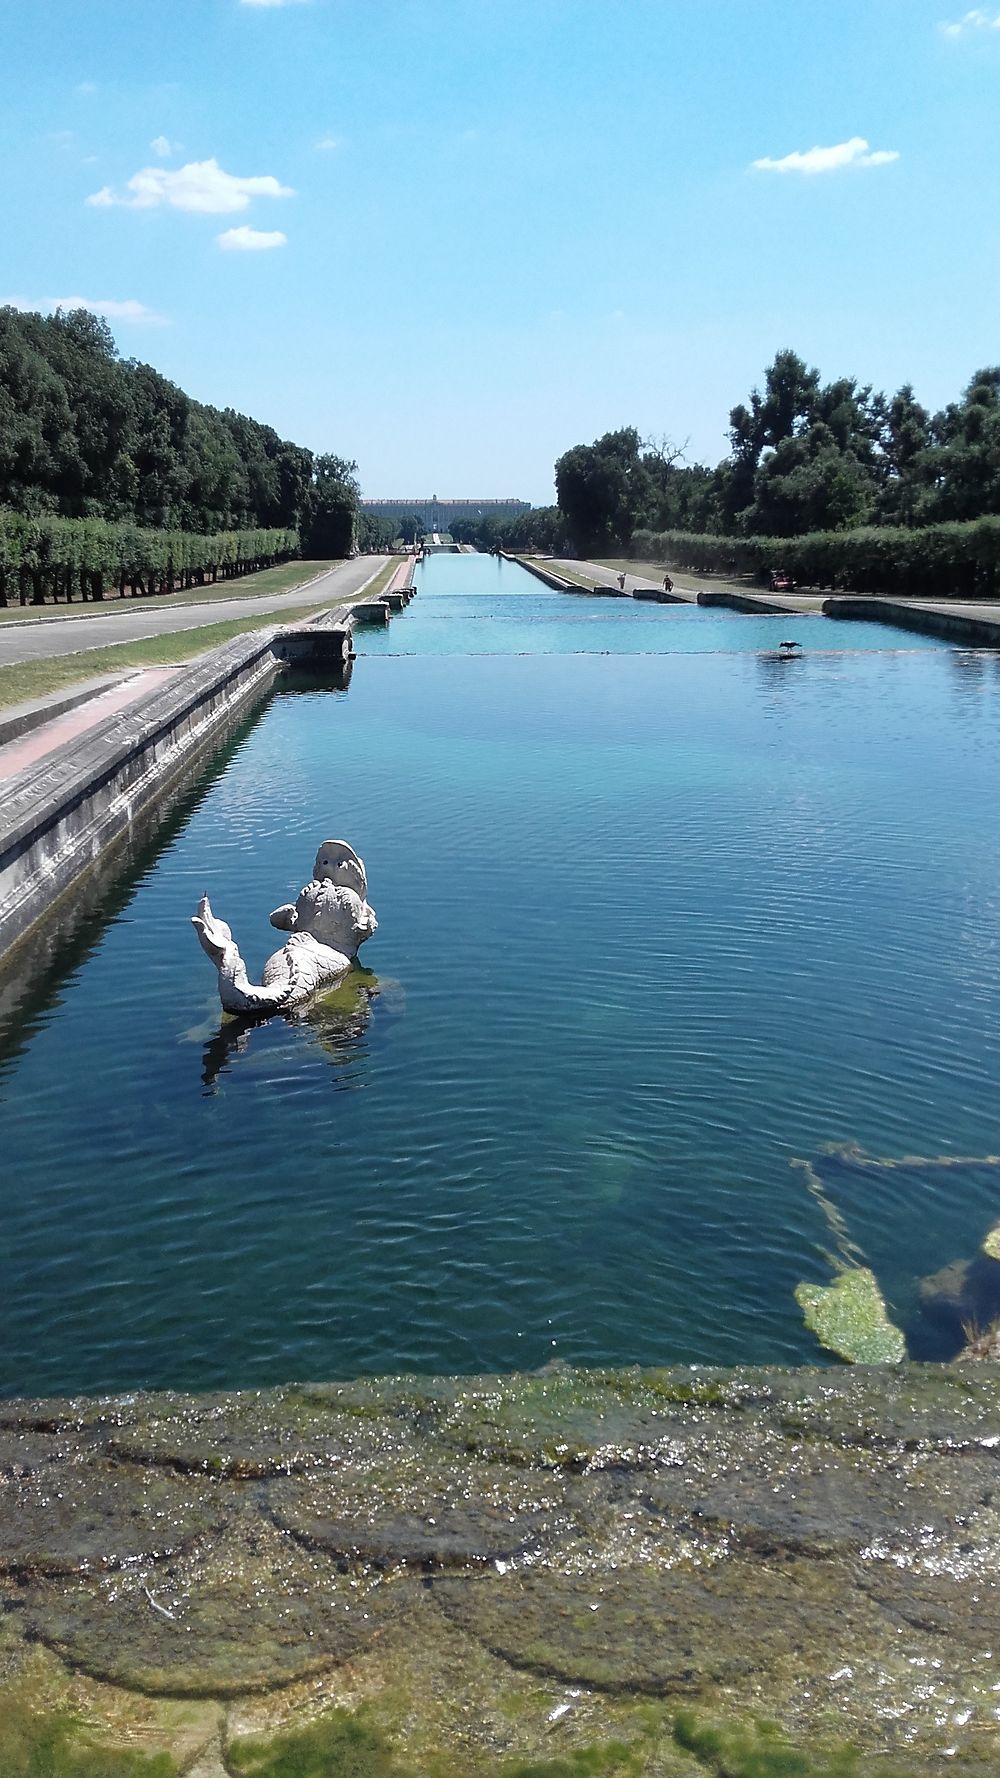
(762, 1751)
(341, 1744)
(849, 1318)
(57, 1745)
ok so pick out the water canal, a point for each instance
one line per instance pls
(670, 931)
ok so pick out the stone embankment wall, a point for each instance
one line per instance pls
(619, 1570)
(556, 581)
(982, 630)
(59, 818)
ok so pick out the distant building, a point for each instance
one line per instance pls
(437, 515)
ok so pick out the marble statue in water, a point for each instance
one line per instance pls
(327, 922)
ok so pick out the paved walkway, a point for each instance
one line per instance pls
(28, 749)
(689, 594)
(42, 640)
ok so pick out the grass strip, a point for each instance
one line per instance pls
(35, 679)
(282, 579)
(381, 581)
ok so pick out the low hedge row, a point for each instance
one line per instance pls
(61, 559)
(943, 561)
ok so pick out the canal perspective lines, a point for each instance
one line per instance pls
(652, 926)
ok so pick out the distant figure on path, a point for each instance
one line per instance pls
(621, 582)
(668, 585)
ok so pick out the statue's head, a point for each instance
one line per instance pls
(337, 862)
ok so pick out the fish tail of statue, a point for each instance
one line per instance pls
(236, 992)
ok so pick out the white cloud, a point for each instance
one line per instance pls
(201, 186)
(163, 147)
(87, 88)
(855, 153)
(328, 142)
(251, 240)
(976, 20)
(111, 307)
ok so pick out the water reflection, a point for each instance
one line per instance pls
(337, 1021)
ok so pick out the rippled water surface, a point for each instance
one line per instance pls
(661, 918)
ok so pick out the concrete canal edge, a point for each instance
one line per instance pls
(556, 581)
(61, 816)
(682, 1572)
(933, 620)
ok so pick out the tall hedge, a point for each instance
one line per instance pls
(952, 561)
(58, 558)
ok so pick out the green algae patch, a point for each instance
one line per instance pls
(580, 1762)
(991, 1245)
(762, 1751)
(57, 1746)
(337, 1745)
(342, 1744)
(849, 1318)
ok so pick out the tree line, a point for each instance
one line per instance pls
(57, 558)
(806, 456)
(810, 460)
(86, 435)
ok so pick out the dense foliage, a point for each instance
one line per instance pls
(88, 436)
(958, 560)
(806, 457)
(68, 558)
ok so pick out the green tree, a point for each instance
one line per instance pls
(331, 509)
(603, 490)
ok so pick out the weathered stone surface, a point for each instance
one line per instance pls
(562, 1421)
(248, 1613)
(64, 1518)
(275, 1432)
(820, 1500)
(654, 1629)
(444, 1516)
(506, 1567)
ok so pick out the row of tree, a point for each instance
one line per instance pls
(50, 557)
(960, 559)
(806, 456)
(85, 434)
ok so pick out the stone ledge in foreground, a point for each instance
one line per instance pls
(486, 1570)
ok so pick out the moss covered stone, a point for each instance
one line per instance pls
(513, 1577)
(250, 1612)
(58, 1745)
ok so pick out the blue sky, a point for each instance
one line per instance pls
(451, 238)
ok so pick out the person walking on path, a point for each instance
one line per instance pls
(668, 585)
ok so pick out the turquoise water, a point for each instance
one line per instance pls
(656, 927)
(487, 606)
